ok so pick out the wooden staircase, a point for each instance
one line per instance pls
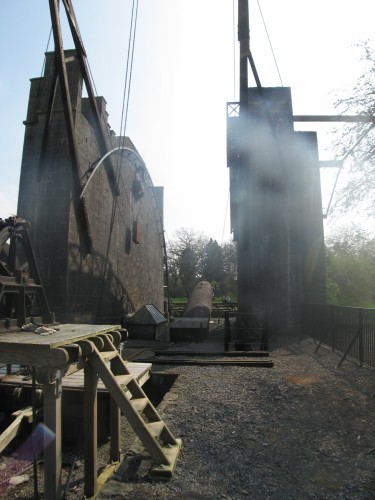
(130, 398)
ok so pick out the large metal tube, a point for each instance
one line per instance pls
(200, 301)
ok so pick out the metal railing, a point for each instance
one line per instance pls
(217, 311)
(347, 330)
(247, 331)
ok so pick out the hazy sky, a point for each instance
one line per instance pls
(183, 75)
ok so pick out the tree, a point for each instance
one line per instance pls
(213, 262)
(194, 256)
(230, 268)
(230, 260)
(351, 268)
(357, 141)
(185, 255)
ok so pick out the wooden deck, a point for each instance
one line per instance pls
(58, 363)
(28, 348)
(75, 381)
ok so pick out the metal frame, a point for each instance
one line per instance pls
(19, 281)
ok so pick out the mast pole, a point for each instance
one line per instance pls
(244, 40)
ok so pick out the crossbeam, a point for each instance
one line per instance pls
(335, 118)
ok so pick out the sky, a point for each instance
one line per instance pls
(185, 70)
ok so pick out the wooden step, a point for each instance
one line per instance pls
(155, 428)
(108, 355)
(139, 404)
(123, 380)
(138, 410)
(163, 472)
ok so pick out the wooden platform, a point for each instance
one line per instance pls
(27, 348)
(75, 381)
(58, 360)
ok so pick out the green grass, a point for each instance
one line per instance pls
(179, 301)
(182, 301)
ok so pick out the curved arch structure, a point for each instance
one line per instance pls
(101, 161)
(126, 267)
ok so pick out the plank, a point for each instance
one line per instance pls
(115, 431)
(140, 371)
(28, 348)
(90, 431)
(32, 355)
(10, 432)
(52, 451)
(164, 472)
(66, 334)
(214, 362)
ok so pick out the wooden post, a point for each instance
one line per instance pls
(115, 431)
(114, 425)
(52, 451)
(90, 430)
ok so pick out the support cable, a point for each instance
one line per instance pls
(269, 41)
(225, 217)
(44, 61)
(345, 157)
(92, 77)
(129, 68)
(45, 58)
(125, 100)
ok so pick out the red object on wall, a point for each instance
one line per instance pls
(136, 234)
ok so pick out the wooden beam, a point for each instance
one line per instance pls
(91, 430)
(115, 430)
(11, 432)
(104, 142)
(52, 450)
(79, 206)
(33, 355)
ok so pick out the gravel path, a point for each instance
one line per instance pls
(302, 429)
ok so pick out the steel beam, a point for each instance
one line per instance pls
(334, 118)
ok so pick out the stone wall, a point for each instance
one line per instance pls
(124, 270)
(276, 212)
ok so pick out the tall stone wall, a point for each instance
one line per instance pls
(275, 209)
(125, 268)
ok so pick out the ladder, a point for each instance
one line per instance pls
(163, 447)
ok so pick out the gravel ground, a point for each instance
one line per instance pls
(302, 429)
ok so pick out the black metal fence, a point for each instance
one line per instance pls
(217, 311)
(348, 330)
(246, 331)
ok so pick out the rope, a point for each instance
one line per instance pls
(345, 157)
(45, 58)
(269, 41)
(92, 77)
(225, 217)
(129, 68)
(125, 99)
